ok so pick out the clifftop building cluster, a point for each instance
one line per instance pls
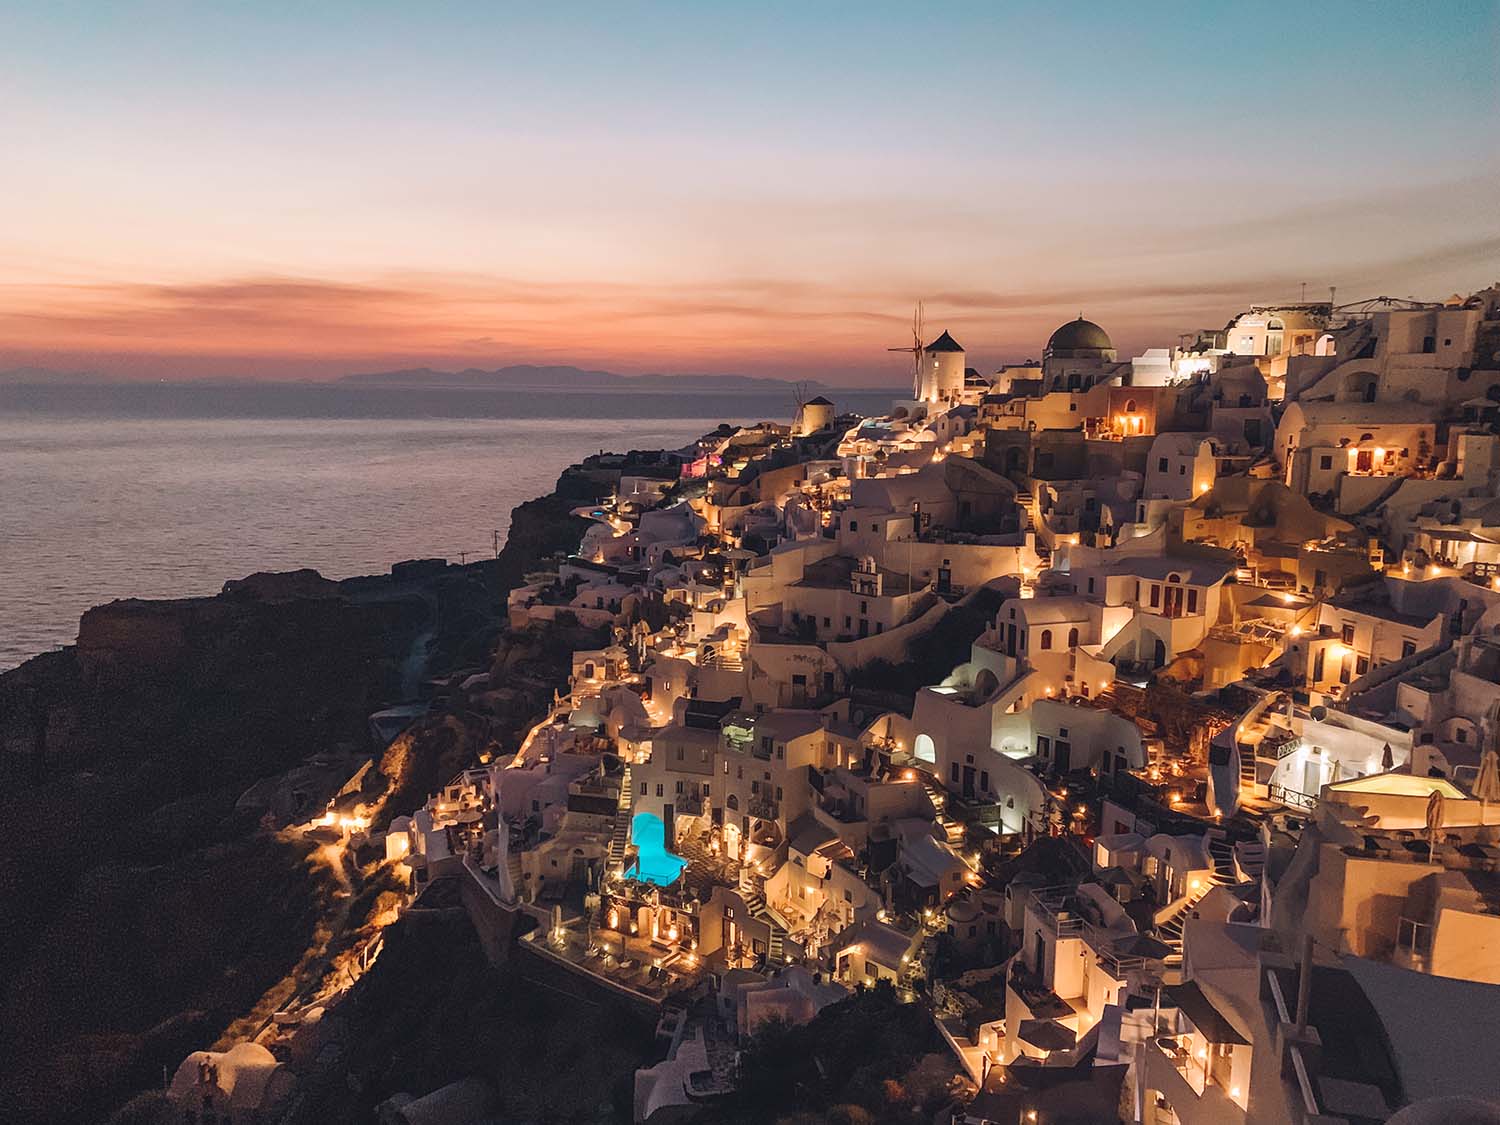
(1138, 717)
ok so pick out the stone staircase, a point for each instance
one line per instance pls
(1169, 930)
(1247, 771)
(953, 830)
(621, 835)
(513, 867)
(1250, 858)
(1027, 503)
(755, 900)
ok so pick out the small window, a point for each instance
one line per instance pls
(1046, 638)
(658, 790)
(1155, 596)
(644, 784)
(1347, 636)
(853, 525)
(1325, 462)
(1161, 465)
(1408, 648)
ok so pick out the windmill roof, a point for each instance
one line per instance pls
(944, 343)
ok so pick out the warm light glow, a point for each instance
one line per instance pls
(1296, 630)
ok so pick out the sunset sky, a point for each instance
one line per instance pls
(304, 190)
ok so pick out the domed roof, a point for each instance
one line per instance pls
(1080, 335)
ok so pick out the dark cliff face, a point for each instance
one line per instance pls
(142, 912)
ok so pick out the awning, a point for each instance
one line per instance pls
(1046, 1035)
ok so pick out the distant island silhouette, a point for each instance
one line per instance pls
(559, 377)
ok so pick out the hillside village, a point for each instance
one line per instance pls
(1135, 719)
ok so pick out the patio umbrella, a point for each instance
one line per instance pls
(1387, 759)
(1435, 808)
(1046, 1035)
(1140, 945)
(1487, 784)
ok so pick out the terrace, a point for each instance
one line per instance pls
(639, 971)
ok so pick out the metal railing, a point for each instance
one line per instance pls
(1292, 798)
(1049, 902)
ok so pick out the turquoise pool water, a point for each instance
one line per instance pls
(653, 864)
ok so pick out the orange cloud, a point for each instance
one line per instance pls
(315, 326)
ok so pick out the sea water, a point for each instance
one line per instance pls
(167, 490)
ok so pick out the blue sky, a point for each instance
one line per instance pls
(767, 188)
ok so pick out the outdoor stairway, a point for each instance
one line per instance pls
(953, 830)
(621, 835)
(1222, 852)
(1247, 772)
(1026, 503)
(755, 901)
(1170, 929)
(1251, 858)
(513, 866)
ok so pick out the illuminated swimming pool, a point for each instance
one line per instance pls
(653, 863)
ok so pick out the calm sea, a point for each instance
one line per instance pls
(166, 490)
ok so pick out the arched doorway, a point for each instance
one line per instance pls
(923, 749)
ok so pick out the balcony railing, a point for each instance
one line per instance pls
(1279, 747)
(1414, 942)
(1049, 902)
(1292, 798)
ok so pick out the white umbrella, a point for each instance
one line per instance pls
(1487, 784)
(1435, 808)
